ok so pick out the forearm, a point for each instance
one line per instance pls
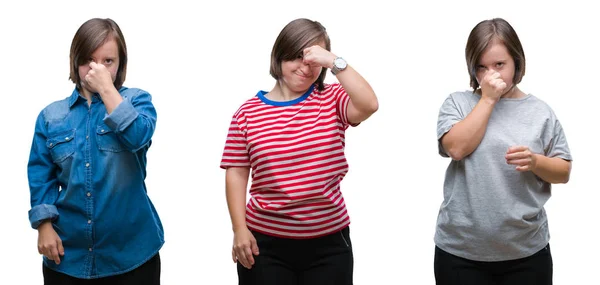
(552, 170)
(466, 135)
(361, 94)
(235, 191)
(111, 99)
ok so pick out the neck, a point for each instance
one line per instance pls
(514, 92)
(86, 94)
(282, 93)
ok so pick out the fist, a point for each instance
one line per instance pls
(492, 85)
(318, 56)
(98, 78)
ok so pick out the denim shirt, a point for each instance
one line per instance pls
(86, 173)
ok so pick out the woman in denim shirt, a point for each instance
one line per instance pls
(87, 168)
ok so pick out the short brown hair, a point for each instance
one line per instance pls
(291, 42)
(89, 37)
(482, 35)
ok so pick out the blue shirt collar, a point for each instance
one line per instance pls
(261, 95)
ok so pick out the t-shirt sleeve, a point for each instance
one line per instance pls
(557, 146)
(235, 153)
(448, 116)
(342, 100)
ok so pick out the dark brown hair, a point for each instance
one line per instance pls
(89, 37)
(291, 42)
(482, 35)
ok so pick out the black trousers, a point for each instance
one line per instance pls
(147, 274)
(532, 270)
(324, 260)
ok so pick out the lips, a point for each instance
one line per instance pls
(302, 75)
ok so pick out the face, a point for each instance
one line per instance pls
(107, 55)
(297, 75)
(496, 57)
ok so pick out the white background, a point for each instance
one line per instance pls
(202, 62)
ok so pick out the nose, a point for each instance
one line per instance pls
(305, 67)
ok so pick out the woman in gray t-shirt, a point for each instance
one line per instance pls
(507, 148)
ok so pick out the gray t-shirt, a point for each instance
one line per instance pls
(491, 211)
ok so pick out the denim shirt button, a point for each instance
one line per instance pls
(87, 164)
(89, 221)
(89, 194)
(90, 249)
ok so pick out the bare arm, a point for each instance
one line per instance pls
(244, 243)
(549, 169)
(236, 181)
(552, 170)
(466, 135)
(363, 102)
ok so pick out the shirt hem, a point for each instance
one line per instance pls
(108, 274)
(345, 225)
(490, 258)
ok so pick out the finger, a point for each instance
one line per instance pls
(93, 65)
(61, 249)
(516, 155)
(254, 247)
(501, 85)
(249, 255)
(54, 254)
(490, 75)
(523, 168)
(46, 252)
(233, 256)
(518, 161)
(40, 249)
(241, 257)
(517, 148)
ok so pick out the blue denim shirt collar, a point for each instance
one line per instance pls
(75, 95)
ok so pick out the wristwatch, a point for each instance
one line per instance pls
(339, 64)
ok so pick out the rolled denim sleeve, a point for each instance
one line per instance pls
(134, 119)
(41, 173)
(42, 212)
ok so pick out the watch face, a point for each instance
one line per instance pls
(340, 63)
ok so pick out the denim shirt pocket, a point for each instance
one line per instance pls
(61, 145)
(107, 139)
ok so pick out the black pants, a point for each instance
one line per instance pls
(533, 270)
(147, 274)
(324, 260)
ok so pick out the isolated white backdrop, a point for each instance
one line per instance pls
(201, 61)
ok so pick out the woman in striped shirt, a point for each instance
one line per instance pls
(294, 229)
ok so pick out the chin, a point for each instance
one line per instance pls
(304, 88)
